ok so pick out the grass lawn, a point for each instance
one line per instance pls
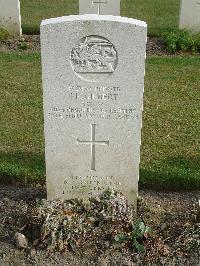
(170, 155)
(170, 146)
(161, 15)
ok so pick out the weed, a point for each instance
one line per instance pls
(23, 45)
(4, 34)
(181, 40)
(137, 235)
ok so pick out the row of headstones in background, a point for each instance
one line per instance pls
(189, 11)
(190, 15)
(93, 84)
(10, 18)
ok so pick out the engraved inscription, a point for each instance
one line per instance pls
(93, 142)
(90, 184)
(94, 113)
(94, 54)
(95, 102)
(99, 2)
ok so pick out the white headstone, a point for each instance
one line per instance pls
(100, 7)
(10, 18)
(93, 82)
(190, 15)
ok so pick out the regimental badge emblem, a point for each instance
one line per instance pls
(94, 54)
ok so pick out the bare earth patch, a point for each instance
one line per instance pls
(27, 43)
(173, 218)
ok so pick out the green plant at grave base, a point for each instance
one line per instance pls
(4, 34)
(181, 40)
(23, 45)
(139, 232)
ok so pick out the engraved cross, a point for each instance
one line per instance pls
(93, 142)
(99, 2)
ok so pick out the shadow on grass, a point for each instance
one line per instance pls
(31, 30)
(174, 174)
(22, 167)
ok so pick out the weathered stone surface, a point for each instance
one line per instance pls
(10, 17)
(93, 81)
(100, 7)
(190, 15)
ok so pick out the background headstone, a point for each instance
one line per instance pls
(10, 18)
(93, 84)
(190, 15)
(100, 7)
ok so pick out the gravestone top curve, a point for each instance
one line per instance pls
(91, 17)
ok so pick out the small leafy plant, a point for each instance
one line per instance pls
(23, 45)
(136, 237)
(181, 40)
(4, 34)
